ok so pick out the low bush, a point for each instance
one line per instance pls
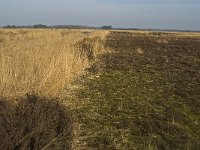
(34, 123)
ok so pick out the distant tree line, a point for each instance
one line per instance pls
(106, 27)
(10, 26)
(30, 26)
(42, 26)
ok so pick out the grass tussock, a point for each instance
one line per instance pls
(34, 123)
(43, 61)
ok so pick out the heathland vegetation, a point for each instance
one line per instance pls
(36, 67)
(99, 89)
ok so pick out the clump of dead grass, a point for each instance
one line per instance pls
(163, 41)
(139, 51)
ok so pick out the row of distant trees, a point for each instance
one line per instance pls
(34, 26)
(106, 27)
(59, 26)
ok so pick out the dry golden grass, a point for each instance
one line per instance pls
(43, 61)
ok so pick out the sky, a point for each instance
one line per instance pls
(156, 14)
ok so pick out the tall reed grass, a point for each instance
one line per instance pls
(42, 62)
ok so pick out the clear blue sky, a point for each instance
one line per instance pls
(167, 14)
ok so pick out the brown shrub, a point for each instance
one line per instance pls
(34, 123)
